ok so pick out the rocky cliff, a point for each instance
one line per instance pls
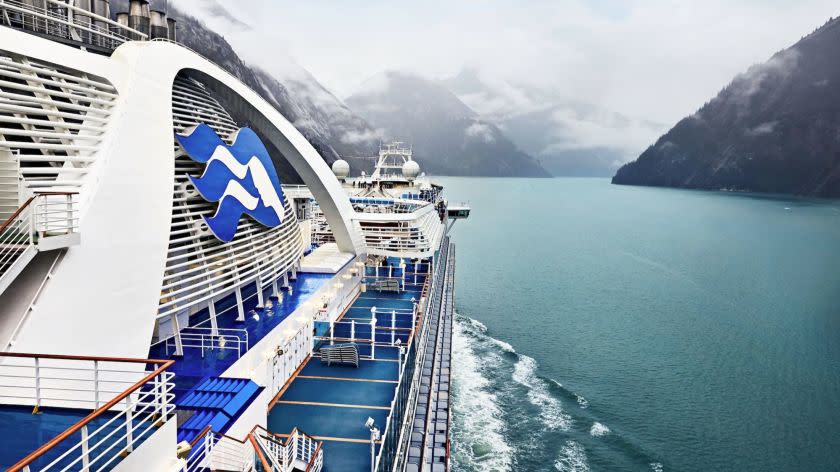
(774, 128)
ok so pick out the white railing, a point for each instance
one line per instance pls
(297, 191)
(55, 214)
(16, 236)
(402, 431)
(216, 451)
(299, 452)
(207, 338)
(128, 404)
(65, 20)
(41, 216)
(417, 236)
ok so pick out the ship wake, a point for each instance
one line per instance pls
(507, 416)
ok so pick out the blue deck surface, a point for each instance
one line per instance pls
(337, 391)
(367, 370)
(324, 421)
(24, 432)
(192, 367)
(339, 400)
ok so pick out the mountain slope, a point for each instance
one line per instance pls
(570, 138)
(326, 122)
(332, 128)
(447, 136)
(774, 128)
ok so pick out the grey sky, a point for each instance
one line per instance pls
(656, 60)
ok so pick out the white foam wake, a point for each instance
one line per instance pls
(480, 443)
(598, 429)
(551, 411)
(572, 458)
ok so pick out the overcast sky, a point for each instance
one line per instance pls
(657, 60)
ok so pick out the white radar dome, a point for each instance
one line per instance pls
(341, 168)
(410, 170)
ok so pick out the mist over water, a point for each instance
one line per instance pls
(623, 328)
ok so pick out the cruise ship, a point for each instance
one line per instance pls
(168, 303)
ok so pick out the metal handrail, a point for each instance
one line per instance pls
(163, 365)
(434, 360)
(313, 465)
(63, 24)
(28, 202)
(432, 293)
(259, 452)
(219, 339)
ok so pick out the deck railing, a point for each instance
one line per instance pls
(398, 424)
(259, 450)
(64, 20)
(130, 399)
(216, 451)
(207, 338)
(42, 215)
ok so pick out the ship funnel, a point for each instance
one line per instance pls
(86, 5)
(122, 18)
(139, 16)
(159, 27)
(101, 8)
(171, 24)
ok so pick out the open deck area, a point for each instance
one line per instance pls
(200, 362)
(332, 402)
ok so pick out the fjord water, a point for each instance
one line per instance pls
(607, 327)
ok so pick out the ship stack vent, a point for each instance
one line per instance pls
(139, 16)
(122, 18)
(159, 28)
(172, 24)
(101, 8)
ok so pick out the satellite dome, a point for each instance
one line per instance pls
(341, 168)
(410, 170)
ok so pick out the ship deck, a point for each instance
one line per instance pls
(332, 403)
(194, 365)
(24, 431)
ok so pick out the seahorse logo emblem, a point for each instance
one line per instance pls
(240, 177)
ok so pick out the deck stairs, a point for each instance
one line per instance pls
(216, 402)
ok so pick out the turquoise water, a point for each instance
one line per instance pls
(625, 328)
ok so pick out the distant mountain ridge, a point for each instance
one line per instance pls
(569, 137)
(447, 136)
(333, 128)
(775, 128)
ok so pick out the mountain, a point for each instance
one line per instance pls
(774, 128)
(332, 128)
(447, 136)
(569, 137)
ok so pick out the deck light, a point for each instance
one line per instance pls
(374, 436)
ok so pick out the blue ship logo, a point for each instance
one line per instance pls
(241, 178)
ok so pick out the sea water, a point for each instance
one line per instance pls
(606, 327)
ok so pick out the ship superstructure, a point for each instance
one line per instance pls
(168, 303)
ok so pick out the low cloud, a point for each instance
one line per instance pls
(363, 137)
(763, 129)
(481, 131)
(601, 130)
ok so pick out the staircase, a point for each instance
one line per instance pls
(216, 402)
(299, 453)
(44, 222)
